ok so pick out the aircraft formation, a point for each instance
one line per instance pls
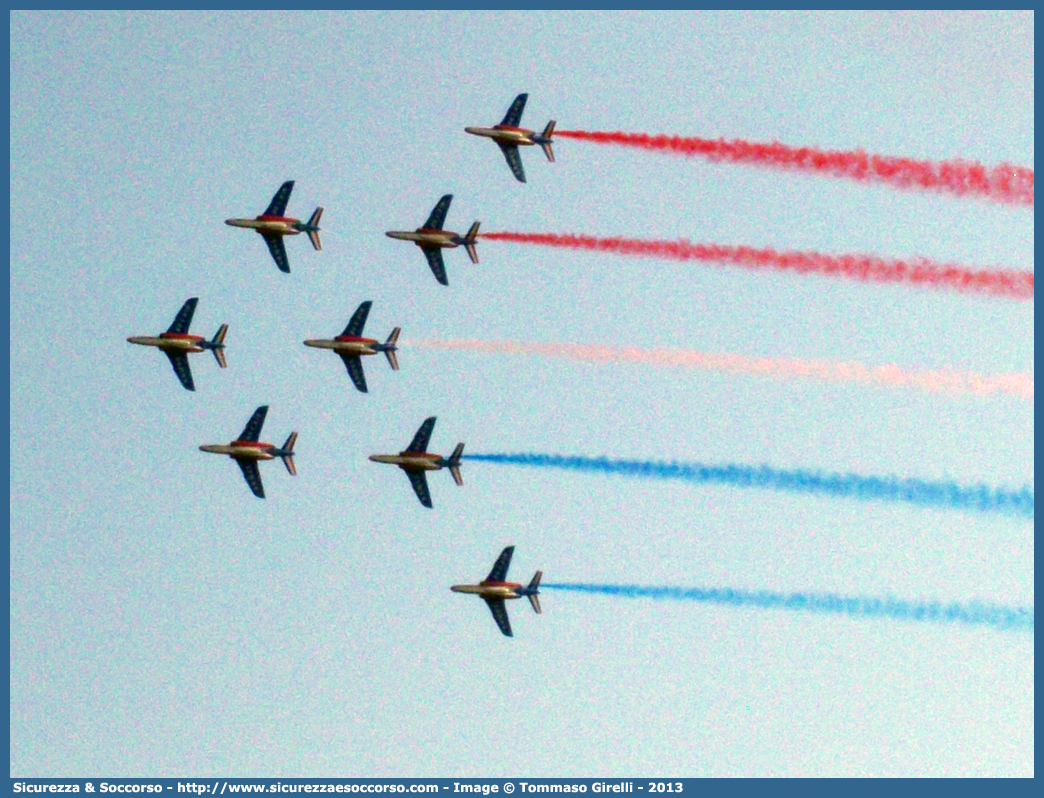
(247, 450)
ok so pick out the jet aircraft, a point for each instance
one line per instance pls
(247, 450)
(273, 225)
(509, 137)
(176, 343)
(415, 460)
(350, 345)
(431, 238)
(494, 590)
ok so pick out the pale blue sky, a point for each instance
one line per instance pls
(166, 622)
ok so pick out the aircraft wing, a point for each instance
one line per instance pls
(500, 567)
(420, 440)
(278, 250)
(438, 213)
(277, 207)
(514, 161)
(180, 362)
(355, 371)
(358, 320)
(184, 318)
(496, 606)
(514, 115)
(420, 486)
(253, 476)
(438, 268)
(252, 431)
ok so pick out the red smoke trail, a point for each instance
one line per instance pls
(942, 381)
(1005, 183)
(866, 268)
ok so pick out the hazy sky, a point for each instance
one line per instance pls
(164, 621)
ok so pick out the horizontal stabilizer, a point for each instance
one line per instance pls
(389, 352)
(545, 143)
(313, 229)
(454, 464)
(217, 345)
(288, 454)
(534, 585)
(469, 242)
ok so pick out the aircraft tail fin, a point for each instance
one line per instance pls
(313, 228)
(534, 585)
(217, 345)
(288, 454)
(469, 242)
(454, 464)
(545, 144)
(393, 359)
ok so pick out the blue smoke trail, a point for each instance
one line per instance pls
(973, 613)
(916, 491)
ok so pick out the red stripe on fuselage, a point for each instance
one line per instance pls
(426, 455)
(265, 218)
(257, 444)
(511, 129)
(181, 336)
(355, 339)
(500, 584)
